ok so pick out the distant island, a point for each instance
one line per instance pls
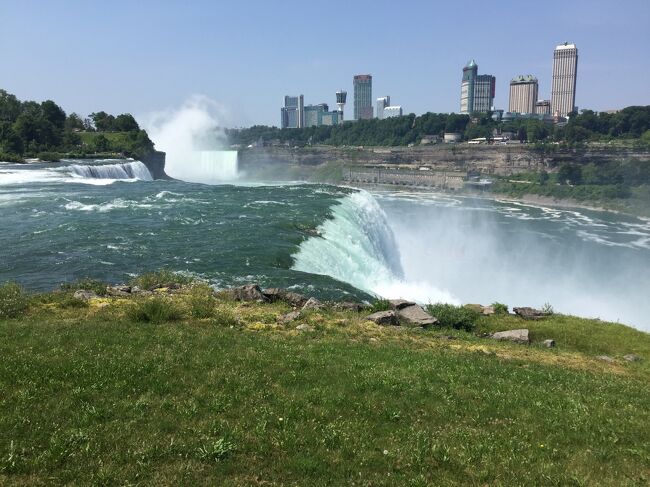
(44, 131)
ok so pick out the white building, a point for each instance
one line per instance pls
(382, 103)
(392, 111)
(565, 69)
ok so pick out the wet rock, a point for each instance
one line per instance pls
(84, 294)
(397, 304)
(549, 343)
(248, 292)
(606, 358)
(517, 336)
(415, 315)
(290, 316)
(312, 303)
(274, 294)
(305, 327)
(631, 357)
(118, 290)
(384, 318)
(529, 313)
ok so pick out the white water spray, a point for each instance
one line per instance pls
(193, 142)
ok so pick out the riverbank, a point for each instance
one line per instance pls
(182, 386)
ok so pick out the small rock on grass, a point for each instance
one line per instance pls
(312, 303)
(305, 327)
(85, 295)
(606, 358)
(631, 357)
(290, 316)
(549, 343)
(415, 315)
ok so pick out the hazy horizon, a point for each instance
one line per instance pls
(151, 57)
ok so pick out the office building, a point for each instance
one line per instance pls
(314, 114)
(362, 96)
(543, 107)
(523, 94)
(484, 89)
(292, 113)
(565, 69)
(382, 103)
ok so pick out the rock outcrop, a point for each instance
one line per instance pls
(414, 315)
(384, 318)
(517, 336)
(274, 294)
(529, 313)
(248, 292)
(312, 303)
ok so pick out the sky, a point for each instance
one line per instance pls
(150, 56)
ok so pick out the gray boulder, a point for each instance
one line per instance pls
(517, 336)
(384, 318)
(248, 292)
(529, 313)
(274, 294)
(415, 315)
(631, 357)
(349, 306)
(399, 303)
(312, 303)
(85, 295)
(549, 343)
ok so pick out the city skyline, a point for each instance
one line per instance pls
(174, 51)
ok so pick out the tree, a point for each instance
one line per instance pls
(101, 143)
(103, 121)
(570, 173)
(74, 122)
(125, 123)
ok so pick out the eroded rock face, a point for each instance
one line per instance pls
(517, 336)
(248, 292)
(274, 294)
(414, 315)
(529, 313)
(384, 318)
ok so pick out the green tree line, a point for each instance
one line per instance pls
(30, 129)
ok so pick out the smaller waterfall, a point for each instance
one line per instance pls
(128, 170)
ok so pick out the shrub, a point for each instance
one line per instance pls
(379, 305)
(48, 156)
(161, 278)
(87, 284)
(458, 317)
(154, 310)
(201, 301)
(13, 301)
(8, 157)
(547, 309)
(500, 308)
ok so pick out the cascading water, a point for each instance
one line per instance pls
(357, 246)
(128, 170)
(208, 166)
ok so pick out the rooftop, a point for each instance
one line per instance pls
(566, 45)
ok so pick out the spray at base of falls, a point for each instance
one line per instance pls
(208, 167)
(357, 246)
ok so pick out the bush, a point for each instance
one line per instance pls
(379, 305)
(13, 301)
(8, 157)
(87, 284)
(154, 310)
(201, 301)
(500, 308)
(161, 278)
(49, 156)
(450, 316)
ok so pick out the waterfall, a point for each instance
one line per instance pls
(127, 170)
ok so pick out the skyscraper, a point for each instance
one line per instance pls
(467, 87)
(565, 69)
(523, 94)
(292, 115)
(362, 96)
(484, 88)
(382, 103)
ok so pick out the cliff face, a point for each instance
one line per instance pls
(155, 162)
(486, 159)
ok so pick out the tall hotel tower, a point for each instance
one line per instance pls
(362, 96)
(565, 68)
(523, 94)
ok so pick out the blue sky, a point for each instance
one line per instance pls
(147, 56)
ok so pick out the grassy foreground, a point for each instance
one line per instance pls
(221, 393)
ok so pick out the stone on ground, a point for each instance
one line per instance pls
(384, 318)
(415, 315)
(517, 336)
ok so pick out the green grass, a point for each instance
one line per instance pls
(88, 396)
